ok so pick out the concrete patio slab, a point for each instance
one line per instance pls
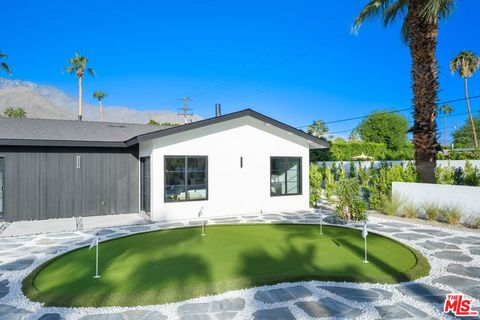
(23, 228)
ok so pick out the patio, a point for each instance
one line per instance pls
(453, 254)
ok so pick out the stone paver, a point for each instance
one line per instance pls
(475, 251)
(463, 240)
(359, 294)
(435, 245)
(453, 256)
(432, 232)
(282, 294)
(472, 272)
(282, 313)
(401, 310)
(217, 309)
(468, 286)
(18, 264)
(411, 236)
(128, 315)
(423, 292)
(51, 316)
(3, 288)
(328, 307)
(396, 224)
(11, 313)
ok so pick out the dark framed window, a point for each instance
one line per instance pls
(145, 184)
(186, 178)
(285, 176)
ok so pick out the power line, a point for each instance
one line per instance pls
(388, 112)
(448, 116)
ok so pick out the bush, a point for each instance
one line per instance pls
(350, 205)
(345, 151)
(329, 184)
(409, 210)
(391, 206)
(450, 214)
(472, 175)
(445, 175)
(315, 184)
(431, 211)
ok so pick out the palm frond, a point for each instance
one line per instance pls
(90, 71)
(405, 32)
(5, 67)
(374, 8)
(392, 11)
(3, 55)
(433, 10)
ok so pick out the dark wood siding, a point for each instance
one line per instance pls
(45, 183)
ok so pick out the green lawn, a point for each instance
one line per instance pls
(173, 265)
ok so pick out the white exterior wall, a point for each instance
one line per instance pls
(464, 197)
(231, 190)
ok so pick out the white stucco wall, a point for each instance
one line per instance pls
(464, 197)
(231, 190)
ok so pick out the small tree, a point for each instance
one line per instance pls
(315, 184)
(15, 113)
(153, 123)
(350, 205)
(463, 138)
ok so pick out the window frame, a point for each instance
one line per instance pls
(165, 157)
(300, 181)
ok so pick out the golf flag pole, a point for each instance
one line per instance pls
(200, 213)
(95, 244)
(321, 220)
(364, 235)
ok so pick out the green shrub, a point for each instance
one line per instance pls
(409, 210)
(445, 175)
(315, 184)
(350, 205)
(330, 184)
(431, 211)
(450, 214)
(472, 175)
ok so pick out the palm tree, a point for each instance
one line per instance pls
(446, 109)
(78, 66)
(100, 95)
(419, 32)
(466, 63)
(317, 128)
(4, 66)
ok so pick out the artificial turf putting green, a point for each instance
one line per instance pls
(174, 265)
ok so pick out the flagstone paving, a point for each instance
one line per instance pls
(454, 256)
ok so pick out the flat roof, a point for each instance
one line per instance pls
(47, 132)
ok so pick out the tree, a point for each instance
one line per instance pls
(78, 66)
(463, 138)
(3, 65)
(100, 95)
(15, 113)
(153, 123)
(317, 128)
(466, 63)
(445, 109)
(384, 127)
(419, 32)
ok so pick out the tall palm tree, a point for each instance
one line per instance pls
(78, 66)
(4, 66)
(446, 109)
(466, 63)
(419, 32)
(100, 95)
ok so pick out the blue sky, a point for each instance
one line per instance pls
(293, 60)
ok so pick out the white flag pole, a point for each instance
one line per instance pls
(95, 244)
(364, 235)
(321, 220)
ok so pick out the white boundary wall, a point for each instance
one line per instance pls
(464, 197)
(376, 164)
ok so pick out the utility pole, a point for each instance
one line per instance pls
(185, 109)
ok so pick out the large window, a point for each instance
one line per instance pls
(285, 176)
(186, 178)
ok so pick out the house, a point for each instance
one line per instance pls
(242, 162)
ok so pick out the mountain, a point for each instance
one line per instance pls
(48, 102)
